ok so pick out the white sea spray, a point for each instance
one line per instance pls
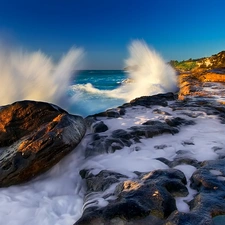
(34, 76)
(148, 74)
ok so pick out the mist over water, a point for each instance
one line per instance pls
(34, 76)
(148, 71)
(147, 74)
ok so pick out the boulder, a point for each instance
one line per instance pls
(148, 199)
(34, 136)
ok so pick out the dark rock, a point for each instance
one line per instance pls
(151, 196)
(158, 111)
(159, 99)
(187, 142)
(219, 220)
(160, 146)
(208, 176)
(105, 144)
(180, 161)
(178, 121)
(101, 181)
(120, 133)
(181, 218)
(209, 180)
(99, 127)
(154, 128)
(114, 113)
(35, 136)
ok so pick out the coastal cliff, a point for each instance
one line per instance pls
(214, 62)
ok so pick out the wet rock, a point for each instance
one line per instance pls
(187, 142)
(180, 161)
(34, 136)
(99, 127)
(120, 133)
(204, 179)
(160, 146)
(178, 121)
(219, 220)
(152, 128)
(181, 218)
(150, 196)
(114, 113)
(158, 111)
(159, 99)
(209, 180)
(101, 181)
(105, 144)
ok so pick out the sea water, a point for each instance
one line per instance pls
(88, 90)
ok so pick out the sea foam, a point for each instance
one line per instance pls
(147, 73)
(34, 76)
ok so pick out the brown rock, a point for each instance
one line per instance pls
(34, 136)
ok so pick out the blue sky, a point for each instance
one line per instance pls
(177, 29)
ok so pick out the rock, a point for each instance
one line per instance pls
(159, 99)
(101, 181)
(99, 127)
(181, 218)
(158, 111)
(151, 129)
(150, 198)
(120, 133)
(34, 136)
(114, 113)
(180, 161)
(105, 144)
(219, 220)
(178, 121)
(208, 180)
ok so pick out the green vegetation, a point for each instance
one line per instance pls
(183, 65)
(216, 61)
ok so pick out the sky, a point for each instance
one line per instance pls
(177, 29)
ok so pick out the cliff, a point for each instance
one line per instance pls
(213, 62)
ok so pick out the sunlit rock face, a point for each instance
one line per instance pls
(34, 136)
(151, 194)
(215, 62)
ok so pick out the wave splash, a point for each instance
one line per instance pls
(34, 76)
(148, 71)
(148, 74)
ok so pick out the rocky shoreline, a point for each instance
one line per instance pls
(149, 198)
(181, 134)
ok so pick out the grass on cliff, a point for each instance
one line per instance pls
(184, 65)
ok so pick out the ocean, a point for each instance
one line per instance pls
(88, 88)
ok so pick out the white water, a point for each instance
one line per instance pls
(34, 76)
(148, 72)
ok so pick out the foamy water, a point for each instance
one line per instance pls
(34, 76)
(146, 69)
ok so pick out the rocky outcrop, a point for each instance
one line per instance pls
(34, 136)
(150, 198)
(150, 195)
(214, 62)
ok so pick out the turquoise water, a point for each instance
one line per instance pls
(88, 90)
(100, 79)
